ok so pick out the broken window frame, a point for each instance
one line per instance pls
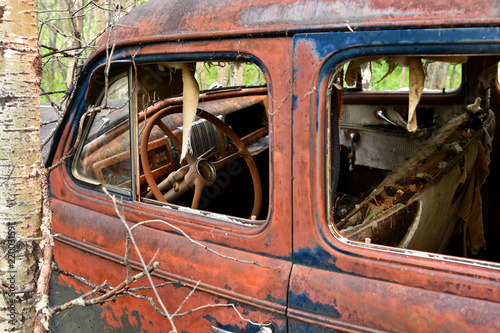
(119, 72)
(332, 140)
(131, 72)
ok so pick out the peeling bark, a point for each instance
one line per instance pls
(20, 160)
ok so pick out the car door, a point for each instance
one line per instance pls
(382, 277)
(217, 269)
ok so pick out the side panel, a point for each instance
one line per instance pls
(254, 264)
(336, 284)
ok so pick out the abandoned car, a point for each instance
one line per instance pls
(293, 166)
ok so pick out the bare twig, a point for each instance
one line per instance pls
(132, 239)
(91, 285)
(185, 299)
(78, 278)
(109, 295)
(256, 263)
(68, 56)
(72, 46)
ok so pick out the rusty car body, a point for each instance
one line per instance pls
(319, 205)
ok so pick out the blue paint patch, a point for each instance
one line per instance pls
(85, 319)
(315, 257)
(125, 319)
(247, 312)
(294, 101)
(303, 302)
(270, 298)
(342, 46)
(110, 309)
(408, 40)
(249, 328)
(268, 240)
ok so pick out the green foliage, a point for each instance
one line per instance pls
(391, 81)
(53, 74)
(252, 75)
(211, 75)
(67, 32)
(439, 75)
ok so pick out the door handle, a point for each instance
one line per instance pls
(263, 329)
(380, 113)
(353, 136)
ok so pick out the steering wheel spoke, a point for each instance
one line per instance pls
(223, 161)
(177, 143)
(198, 190)
(199, 172)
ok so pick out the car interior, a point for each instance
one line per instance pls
(410, 137)
(226, 168)
(411, 149)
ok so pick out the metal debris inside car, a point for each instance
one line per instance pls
(430, 172)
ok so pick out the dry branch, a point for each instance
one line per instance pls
(120, 212)
(68, 56)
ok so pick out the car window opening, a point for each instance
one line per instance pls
(443, 74)
(226, 168)
(417, 186)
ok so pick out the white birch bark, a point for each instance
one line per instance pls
(20, 195)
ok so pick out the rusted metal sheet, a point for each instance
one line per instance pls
(339, 284)
(198, 17)
(90, 230)
(193, 19)
(103, 237)
(349, 301)
(130, 314)
(308, 278)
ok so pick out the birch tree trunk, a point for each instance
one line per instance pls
(20, 158)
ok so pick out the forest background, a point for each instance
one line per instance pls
(69, 29)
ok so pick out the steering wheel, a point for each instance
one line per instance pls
(199, 172)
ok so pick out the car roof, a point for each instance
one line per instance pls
(160, 20)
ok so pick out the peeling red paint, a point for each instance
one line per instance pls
(151, 22)
(305, 274)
